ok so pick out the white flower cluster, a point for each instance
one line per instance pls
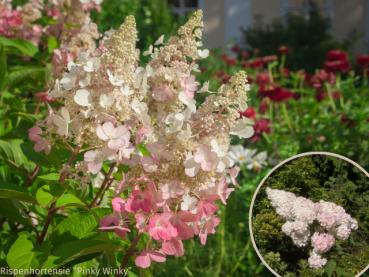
(302, 217)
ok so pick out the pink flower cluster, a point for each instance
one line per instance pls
(155, 211)
(301, 214)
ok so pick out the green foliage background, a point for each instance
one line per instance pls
(316, 177)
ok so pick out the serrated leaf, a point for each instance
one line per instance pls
(82, 194)
(52, 177)
(44, 21)
(12, 191)
(330, 267)
(8, 210)
(340, 271)
(10, 152)
(26, 47)
(26, 254)
(19, 75)
(31, 154)
(30, 117)
(77, 227)
(143, 150)
(50, 193)
(3, 65)
(75, 249)
(52, 44)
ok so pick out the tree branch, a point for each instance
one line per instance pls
(129, 253)
(103, 185)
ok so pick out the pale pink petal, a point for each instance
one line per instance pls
(143, 260)
(95, 166)
(199, 157)
(164, 233)
(173, 247)
(116, 143)
(157, 256)
(120, 131)
(34, 134)
(165, 217)
(206, 165)
(186, 216)
(108, 128)
(107, 220)
(184, 231)
(118, 204)
(135, 205)
(122, 232)
(100, 133)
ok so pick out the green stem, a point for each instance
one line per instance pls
(283, 61)
(365, 77)
(270, 73)
(270, 104)
(288, 120)
(338, 86)
(241, 257)
(331, 97)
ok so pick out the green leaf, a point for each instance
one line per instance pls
(77, 227)
(26, 254)
(19, 75)
(3, 66)
(330, 267)
(118, 176)
(44, 21)
(82, 194)
(143, 150)
(50, 193)
(75, 249)
(29, 117)
(31, 154)
(54, 158)
(72, 26)
(26, 47)
(50, 177)
(124, 168)
(10, 152)
(8, 210)
(340, 271)
(52, 44)
(12, 191)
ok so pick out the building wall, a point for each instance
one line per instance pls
(214, 21)
(270, 9)
(349, 15)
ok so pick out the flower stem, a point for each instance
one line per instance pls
(53, 205)
(288, 120)
(331, 97)
(338, 86)
(103, 185)
(365, 77)
(129, 253)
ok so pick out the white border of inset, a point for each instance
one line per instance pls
(270, 172)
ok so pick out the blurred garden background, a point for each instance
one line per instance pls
(307, 65)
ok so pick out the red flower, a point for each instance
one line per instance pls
(345, 120)
(269, 59)
(274, 93)
(260, 126)
(322, 77)
(336, 55)
(203, 69)
(256, 50)
(263, 107)
(283, 50)
(336, 66)
(321, 95)
(245, 55)
(336, 60)
(236, 48)
(255, 63)
(262, 79)
(219, 73)
(250, 113)
(363, 60)
(285, 71)
(226, 79)
(249, 80)
(231, 61)
(223, 56)
(308, 78)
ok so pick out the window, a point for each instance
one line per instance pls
(302, 7)
(181, 7)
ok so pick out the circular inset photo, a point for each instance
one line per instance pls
(310, 217)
